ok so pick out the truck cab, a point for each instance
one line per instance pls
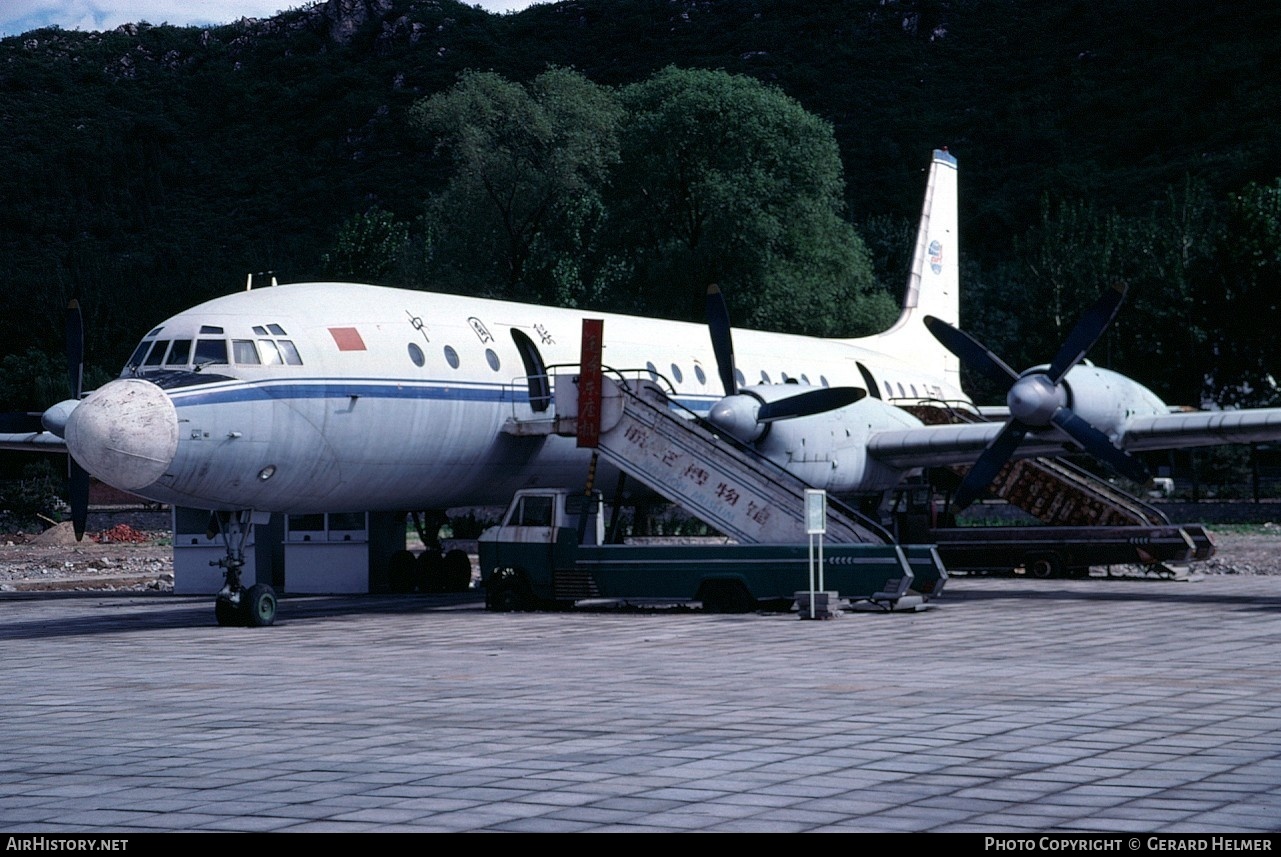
(540, 531)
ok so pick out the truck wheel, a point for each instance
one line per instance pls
(1044, 566)
(726, 596)
(507, 591)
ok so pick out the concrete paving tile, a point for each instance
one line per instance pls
(1066, 725)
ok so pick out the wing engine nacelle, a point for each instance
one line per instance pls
(1109, 400)
(827, 449)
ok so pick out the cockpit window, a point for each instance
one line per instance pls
(270, 353)
(210, 328)
(292, 357)
(180, 353)
(157, 355)
(244, 352)
(210, 351)
(277, 329)
(135, 359)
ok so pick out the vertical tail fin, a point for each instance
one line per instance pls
(933, 284)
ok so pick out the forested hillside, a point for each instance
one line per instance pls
(151, 167)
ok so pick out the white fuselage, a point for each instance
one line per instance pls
(398, 398)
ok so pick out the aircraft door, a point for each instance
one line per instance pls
(540, 393)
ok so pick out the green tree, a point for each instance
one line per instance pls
(726, 180)
(1242, 290)
(370, 245)
(1075, 251)
(522, 211)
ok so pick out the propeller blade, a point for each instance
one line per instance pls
(722, 339)
(75, 349)
(989, 464)
(972, 353)
(1088, 329)
(1097, 444)
(19, 423)
(812, 402)
(78, 496)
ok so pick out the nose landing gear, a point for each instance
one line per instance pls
(254, 607)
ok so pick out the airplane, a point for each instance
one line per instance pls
(323, 397)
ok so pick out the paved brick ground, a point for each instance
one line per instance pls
(1014, 706)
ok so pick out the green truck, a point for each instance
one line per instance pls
(550, 552)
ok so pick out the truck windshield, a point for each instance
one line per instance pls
(533, 511)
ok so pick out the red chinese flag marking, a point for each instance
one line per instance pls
(348, 339)
(589, 383)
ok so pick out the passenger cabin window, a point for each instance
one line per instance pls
(699, 374)
(451, 357)
(676, 373)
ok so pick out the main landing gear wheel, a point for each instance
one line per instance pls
(400, 572)
(258, 604)
(457, 571)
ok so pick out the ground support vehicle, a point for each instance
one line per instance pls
(1048, 552)
(549, 552)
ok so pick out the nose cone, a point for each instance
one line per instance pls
(125, 433)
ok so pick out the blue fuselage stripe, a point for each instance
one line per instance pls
(344, 388)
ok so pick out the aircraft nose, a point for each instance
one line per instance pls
(124, 433)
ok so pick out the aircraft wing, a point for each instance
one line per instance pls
(938, 446)
(32, 441)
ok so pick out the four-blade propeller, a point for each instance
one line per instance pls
(747, 416)
(1037, 398)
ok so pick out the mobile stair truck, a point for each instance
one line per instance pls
(549, 552)
(549, 549)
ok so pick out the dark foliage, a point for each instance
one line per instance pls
(155, 166)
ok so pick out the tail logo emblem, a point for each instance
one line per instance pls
(936, 257)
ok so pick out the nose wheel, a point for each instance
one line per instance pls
(254, 607)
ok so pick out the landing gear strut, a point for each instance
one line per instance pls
(254, 607)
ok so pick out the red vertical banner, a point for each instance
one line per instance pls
(589, 382)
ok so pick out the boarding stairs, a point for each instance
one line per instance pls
(1062, 494)
(712, 476)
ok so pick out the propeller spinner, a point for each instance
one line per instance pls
(744, 414)
(1037, 398)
